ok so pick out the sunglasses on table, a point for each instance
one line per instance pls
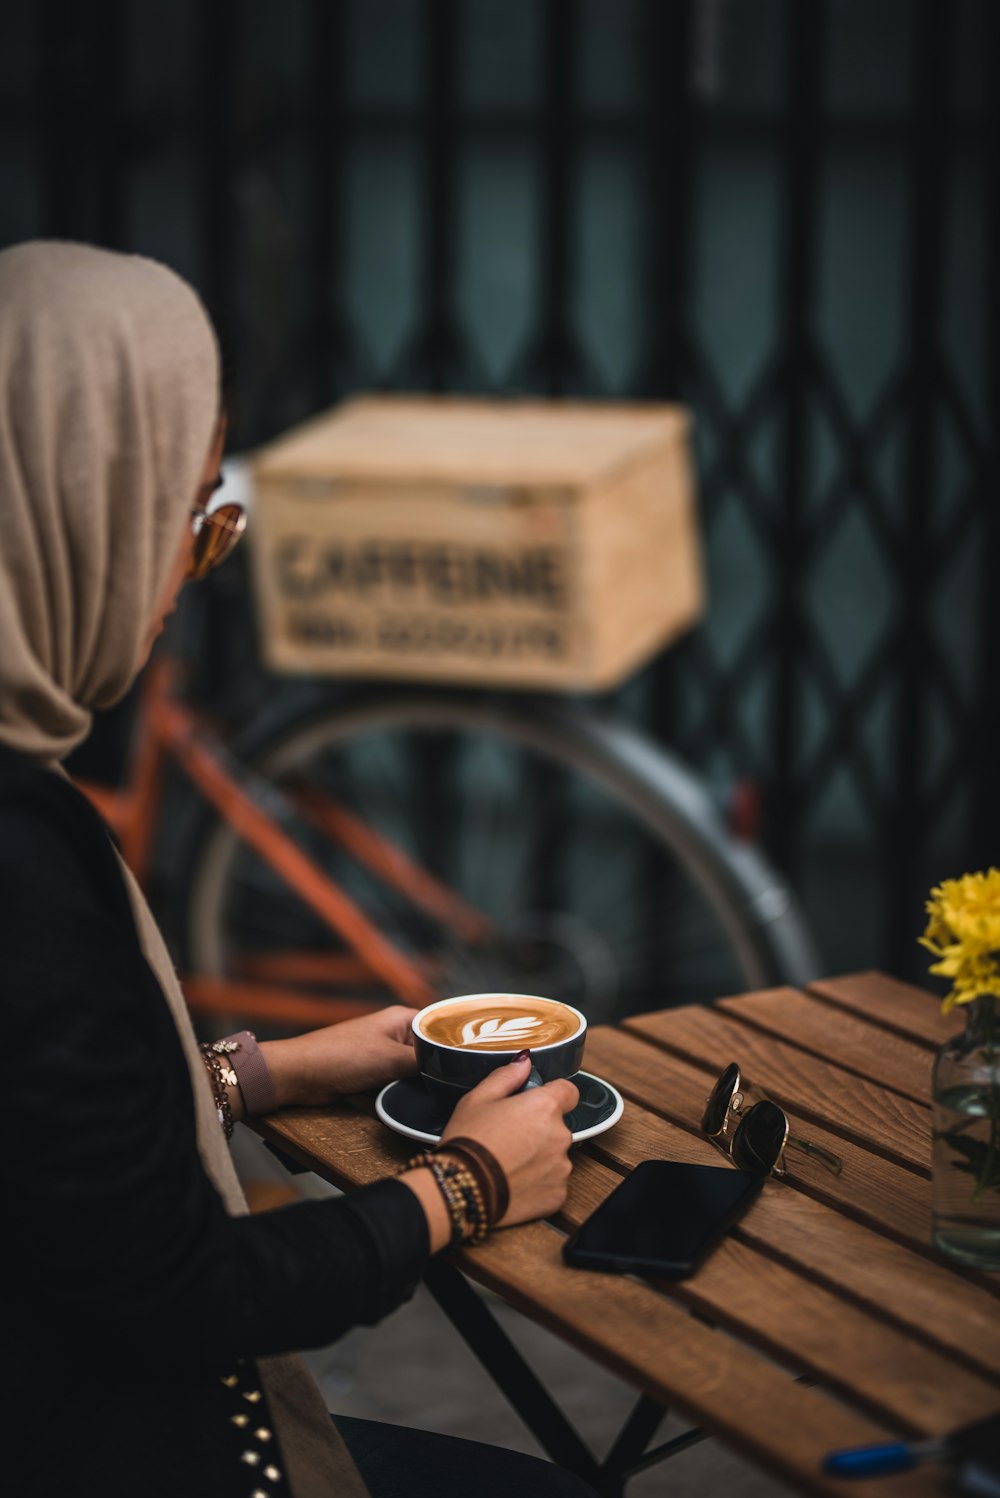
(755, 1137)
(215, 532)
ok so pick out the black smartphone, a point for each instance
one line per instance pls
(663, 1219)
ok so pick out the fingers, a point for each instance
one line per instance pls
(397, 1023)
(561, 1096)
(565, 1094)
(505, 1080)
(404, 1062)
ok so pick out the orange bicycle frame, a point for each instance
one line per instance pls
(170, 730)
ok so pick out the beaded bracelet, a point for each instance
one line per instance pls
(483, 1163)
(222, 1077)
(462, 1195)
(463, 1179)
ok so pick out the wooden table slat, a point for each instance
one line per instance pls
(889, 1374)
(877, 1191)
(629, 1328)
(918, 1296)
(899, 1007)
(833, 1035)
(893, 1126)
(345, 1147)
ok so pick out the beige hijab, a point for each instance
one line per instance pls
(108, 401)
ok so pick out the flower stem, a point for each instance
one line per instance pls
(990, 1050)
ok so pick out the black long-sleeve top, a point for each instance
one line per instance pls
(129, 1286)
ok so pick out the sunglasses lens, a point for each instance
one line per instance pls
(759, 1140)
(215, 538)
(714, 1117)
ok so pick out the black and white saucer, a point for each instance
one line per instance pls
(406, 1107)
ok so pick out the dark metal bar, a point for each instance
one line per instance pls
(553, 363)
(665, 138)
(984, 832)
(804, 29)
(435, 361)
(439, 356)
(720, 126)
(513, 1376)
(545, 800)
(557, 205)
(626, 1455)
(110, 135)
(59, 135)
(327, 67)
(219, 36)
(439, 256)
(668, 1449)
(907, 877)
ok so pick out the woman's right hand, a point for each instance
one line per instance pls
(526, 1133)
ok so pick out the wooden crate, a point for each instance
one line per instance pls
(528, 544)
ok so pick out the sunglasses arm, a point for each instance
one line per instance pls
(826, 1157)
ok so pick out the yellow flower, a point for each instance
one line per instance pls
(963, 933)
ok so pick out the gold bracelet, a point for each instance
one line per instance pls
(219, 1077)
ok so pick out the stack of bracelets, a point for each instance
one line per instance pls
(238, 1061)
(216, 1056)
(472, 1184)
(469, 1177)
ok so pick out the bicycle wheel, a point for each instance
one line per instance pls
(595, 863)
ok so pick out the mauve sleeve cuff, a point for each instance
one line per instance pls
(252, 1075)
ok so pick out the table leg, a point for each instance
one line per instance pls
(508, 1369)
(635, 1435)
(482, 1333)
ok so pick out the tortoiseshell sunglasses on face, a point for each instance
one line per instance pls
(215, 532)
(755, 1138)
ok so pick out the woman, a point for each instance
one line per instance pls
(148, 1320)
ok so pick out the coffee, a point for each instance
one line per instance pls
(497, 1023)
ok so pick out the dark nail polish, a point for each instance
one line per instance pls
(521, 1056)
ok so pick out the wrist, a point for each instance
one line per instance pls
(285, 1066)
(459, 1187)
(425, 1188)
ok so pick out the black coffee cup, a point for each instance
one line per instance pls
(449, 1068)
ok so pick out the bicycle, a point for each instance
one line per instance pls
(402, 844)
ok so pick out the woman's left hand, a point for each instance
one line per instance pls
(352, 1056)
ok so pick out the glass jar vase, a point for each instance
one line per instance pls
(966, 1164)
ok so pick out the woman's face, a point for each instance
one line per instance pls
(210, 480)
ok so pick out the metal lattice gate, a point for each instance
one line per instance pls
(783, 213)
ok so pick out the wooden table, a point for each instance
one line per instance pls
(828, 1278)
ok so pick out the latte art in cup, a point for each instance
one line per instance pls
(499, 1025)
(459, 1041)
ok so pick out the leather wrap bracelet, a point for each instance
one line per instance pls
(492, 1178)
